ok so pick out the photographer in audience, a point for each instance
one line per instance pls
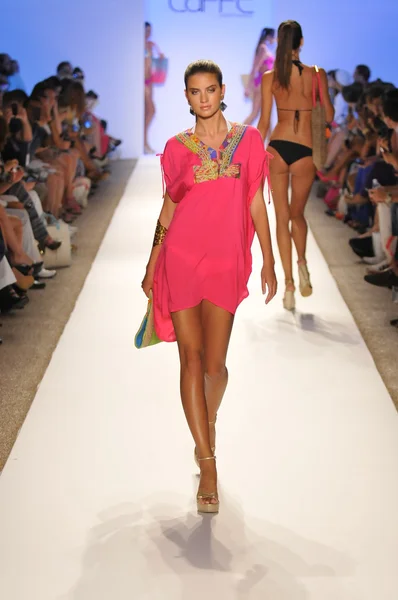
(360, 184)
(46, 155)
(386, 197)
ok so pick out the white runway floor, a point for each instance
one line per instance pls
(97, 498)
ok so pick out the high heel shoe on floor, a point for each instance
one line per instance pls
(304, 276)
(195, 455)
(289, 302)
(53, 245)
(10, 299)
(208, 507)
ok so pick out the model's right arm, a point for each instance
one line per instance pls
(165, 218)
(266, 103)
(258, 60)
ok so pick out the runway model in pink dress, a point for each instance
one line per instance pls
(201, 260)
(206, 254)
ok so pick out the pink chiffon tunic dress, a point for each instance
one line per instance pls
(206, 254)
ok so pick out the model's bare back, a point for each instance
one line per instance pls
(293, 126)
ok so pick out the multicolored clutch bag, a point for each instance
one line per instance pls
(146, 335)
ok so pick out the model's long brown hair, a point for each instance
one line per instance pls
(289, 39)
(266, 33)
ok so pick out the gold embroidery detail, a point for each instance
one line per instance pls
(214, 168)
(207, 171)
(232, 170)
(228, 153)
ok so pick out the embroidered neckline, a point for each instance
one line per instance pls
(215, 161)
(213, 152)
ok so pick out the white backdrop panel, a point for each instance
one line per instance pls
(187, 30)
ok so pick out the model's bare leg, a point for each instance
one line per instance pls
(303, 173)
(217, 326)
(149, 115)
(189, 333)
(279, 172)
(256, 107)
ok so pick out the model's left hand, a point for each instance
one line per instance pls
(268, 280)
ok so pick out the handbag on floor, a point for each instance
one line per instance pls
(318, 122)
(81, 190)
(146, 334)
(55, 259)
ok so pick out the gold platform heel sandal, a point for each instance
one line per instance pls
(195, 455)
(304, 276)
(289, 302)
(207, 507)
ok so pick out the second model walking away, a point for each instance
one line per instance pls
(290, 83)
(201, 261)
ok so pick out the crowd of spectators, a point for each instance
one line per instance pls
(54, 152)
(359, 183)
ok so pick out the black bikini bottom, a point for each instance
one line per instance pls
(290, 151)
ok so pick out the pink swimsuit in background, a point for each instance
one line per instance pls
(268, 65)
(207, 250)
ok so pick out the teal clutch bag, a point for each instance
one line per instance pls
(146, 334)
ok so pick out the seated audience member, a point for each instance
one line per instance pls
(337, 80)
(360, 183)
(72, 105)
(46, 156)
(15, 81)
(54, 151)
(102, 143)
(17, 146)
(386, 197)
(9, 298)
(390, 117)
(340, 80)
(78, 75)
(65, 70)
(362, 75)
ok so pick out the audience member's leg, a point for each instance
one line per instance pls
(12, 231)
(28, 240)
(55, 193)
(39, 230)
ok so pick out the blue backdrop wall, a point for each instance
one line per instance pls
(344, 33)
(105, 39)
